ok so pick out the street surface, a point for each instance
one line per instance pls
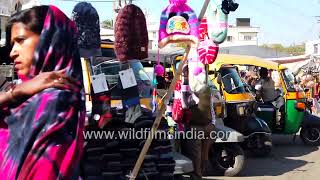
(288, 161)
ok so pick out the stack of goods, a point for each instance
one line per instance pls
(113, 149)
(114, 157)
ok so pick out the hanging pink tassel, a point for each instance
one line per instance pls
(197, 71)
(178, 2)
(159, 70)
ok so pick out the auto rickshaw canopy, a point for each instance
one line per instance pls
(229, 59)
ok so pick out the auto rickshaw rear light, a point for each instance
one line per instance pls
(301, 95)
(219, 109)
(241, 111)
(300, 106)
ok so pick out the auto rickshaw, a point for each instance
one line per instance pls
(240, 105)
(290, 117)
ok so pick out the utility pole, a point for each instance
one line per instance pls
(318, 30)
(117, 5)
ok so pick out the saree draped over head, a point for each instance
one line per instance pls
(44, 138)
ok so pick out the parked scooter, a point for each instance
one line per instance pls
(226, 156)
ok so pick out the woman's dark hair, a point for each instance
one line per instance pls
(33, 18)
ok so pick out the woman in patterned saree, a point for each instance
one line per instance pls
(45, 113)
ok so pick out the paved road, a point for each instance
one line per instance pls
(288, 161)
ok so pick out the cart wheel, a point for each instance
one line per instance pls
(310, 135)
(178, 177)
(227, 159)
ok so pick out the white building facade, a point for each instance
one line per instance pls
(153, 34)
(312, 47)
(243, 34)
(7, 7)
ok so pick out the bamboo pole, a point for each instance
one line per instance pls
(203, 11)
(162, 109)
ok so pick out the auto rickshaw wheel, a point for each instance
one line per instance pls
(310, 135)
(227, 159)
(264, 143)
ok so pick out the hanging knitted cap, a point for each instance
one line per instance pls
(178, 23)
(207, 49)
(131, 35)
(203, 29)
(87, 22)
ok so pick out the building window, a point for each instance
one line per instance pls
(224, 51)
(315, 48)
(18, 7)
(150, 44)
(229, 38)
(247, 38)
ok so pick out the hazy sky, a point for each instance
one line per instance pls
(280, 21)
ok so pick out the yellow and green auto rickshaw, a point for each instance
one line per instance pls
(287, 114)
(240, 105)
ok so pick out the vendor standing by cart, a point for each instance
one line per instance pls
(197, 118)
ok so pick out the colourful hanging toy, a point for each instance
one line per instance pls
(213, 30)
(178, 23)
(217, 19)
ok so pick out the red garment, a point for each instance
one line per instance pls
(177, 111)
(316, 91)
(180, 115)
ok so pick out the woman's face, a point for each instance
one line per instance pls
(24, 43)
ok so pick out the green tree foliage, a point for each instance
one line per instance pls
(293, 49)
(108, 24)
(182, 45)
(296, 49)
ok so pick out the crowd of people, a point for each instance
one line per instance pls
(267, 88)
(261, 84)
